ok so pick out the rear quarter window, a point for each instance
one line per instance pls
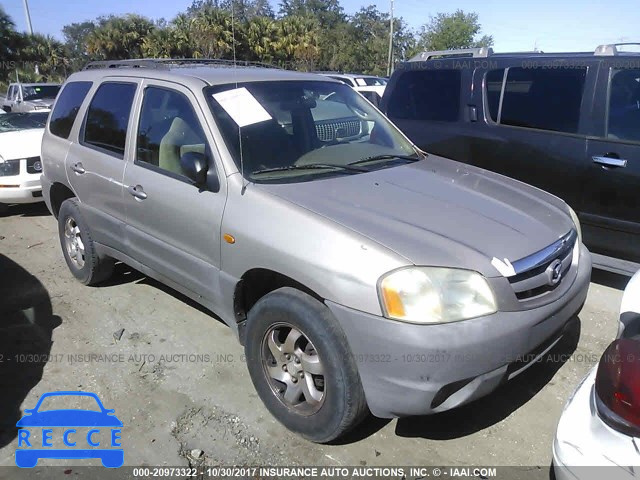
(432, 95)
(66, 110)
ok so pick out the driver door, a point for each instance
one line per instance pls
(172, 226)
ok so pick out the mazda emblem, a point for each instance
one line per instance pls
(554, 273)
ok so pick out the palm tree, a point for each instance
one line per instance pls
(119, 38)
(213, 33)
(182, 36)
(48, 54)
(262, 38)
(298, 42)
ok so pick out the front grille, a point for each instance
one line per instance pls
(544, 271)
(34, 165)
(328, 131)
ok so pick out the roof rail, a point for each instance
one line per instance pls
(481, 52)
(612, 49)
(166, 63)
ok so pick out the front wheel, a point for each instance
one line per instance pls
(301, 366)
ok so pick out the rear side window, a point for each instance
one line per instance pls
(427, 95)
(108, 117)
(546, 99)
(66, 110)
(624, 105)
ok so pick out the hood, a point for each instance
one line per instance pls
(41, 102)
(438, 212)
(21, 143)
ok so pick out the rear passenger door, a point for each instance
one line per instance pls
(173, 227)
(95, 164)
(611, 216)
(534, 127)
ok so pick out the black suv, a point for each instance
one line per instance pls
(568, 123)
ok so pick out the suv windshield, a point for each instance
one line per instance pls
(22, 121)
(37, 92)
(292, 131)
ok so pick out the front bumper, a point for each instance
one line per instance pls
(409, 369)
(22, 188)
(583, 442)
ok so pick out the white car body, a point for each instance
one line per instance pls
(583, 440)
(364, 84)
(21, 145)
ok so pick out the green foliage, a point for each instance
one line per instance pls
(75, 39)
(118, 38)
(305, 35)
(456, 30)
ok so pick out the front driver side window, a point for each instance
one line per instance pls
(168, 129)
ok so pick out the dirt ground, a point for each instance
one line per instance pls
(176, 378)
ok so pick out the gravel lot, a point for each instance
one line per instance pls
(176, 378)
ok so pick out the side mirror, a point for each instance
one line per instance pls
(194, 165)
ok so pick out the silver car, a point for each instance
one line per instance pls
(359, 273)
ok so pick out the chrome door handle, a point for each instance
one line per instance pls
(78, 168)
(137, 191)
(610, 162)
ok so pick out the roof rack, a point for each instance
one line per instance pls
(612, 49)
(481, 52)
(166, 63)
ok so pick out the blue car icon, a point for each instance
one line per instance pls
(97, 421)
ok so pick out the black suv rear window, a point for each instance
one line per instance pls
(108, 116)
(67, 106)
(426, 95)
(545, 99)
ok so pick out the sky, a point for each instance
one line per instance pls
(516, 25)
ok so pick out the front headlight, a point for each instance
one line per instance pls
(576, 221)
(435, 295)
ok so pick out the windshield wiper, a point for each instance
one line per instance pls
(377, 158)
(311, 166)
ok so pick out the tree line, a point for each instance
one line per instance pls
(308, 35)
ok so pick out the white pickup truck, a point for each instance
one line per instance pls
(29, 97)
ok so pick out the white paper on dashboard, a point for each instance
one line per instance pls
(242, 106)
(361, 82)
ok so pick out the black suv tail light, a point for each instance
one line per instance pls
(618, 386)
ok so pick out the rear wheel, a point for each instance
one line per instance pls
(78, 247)
(302, 367)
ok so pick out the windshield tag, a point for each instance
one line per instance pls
(242, 106)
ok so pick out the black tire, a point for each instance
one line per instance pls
(343, 404)
(95, 268)
(4, 208)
